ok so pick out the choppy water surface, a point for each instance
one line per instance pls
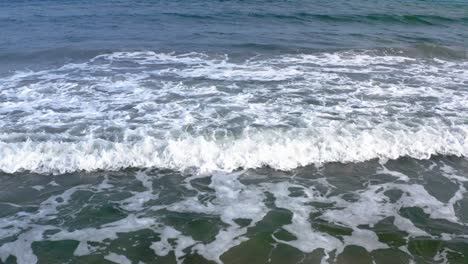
(233, 132)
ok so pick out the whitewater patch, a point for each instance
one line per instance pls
(279, 150)
(218, 112)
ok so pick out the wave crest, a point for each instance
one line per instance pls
(279, 150)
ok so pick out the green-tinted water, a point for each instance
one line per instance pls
(406, 211)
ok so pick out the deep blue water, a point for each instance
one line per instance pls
(50, 31)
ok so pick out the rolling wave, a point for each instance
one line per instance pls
(215, 112)
(278, 150)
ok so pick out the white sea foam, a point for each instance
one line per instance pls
(233, 200)
(307, 239)
(163, 247)
(280, 150)
(116, 258)
(211, 112)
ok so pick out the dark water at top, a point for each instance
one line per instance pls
(60, 30)
(234, 131)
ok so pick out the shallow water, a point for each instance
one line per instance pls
(233, 132)
(406, 211)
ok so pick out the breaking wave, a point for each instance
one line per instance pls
(283, 151)
(215, 112)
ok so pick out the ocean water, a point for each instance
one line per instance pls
(205, 131)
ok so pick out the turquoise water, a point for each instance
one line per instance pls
(233, 131)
